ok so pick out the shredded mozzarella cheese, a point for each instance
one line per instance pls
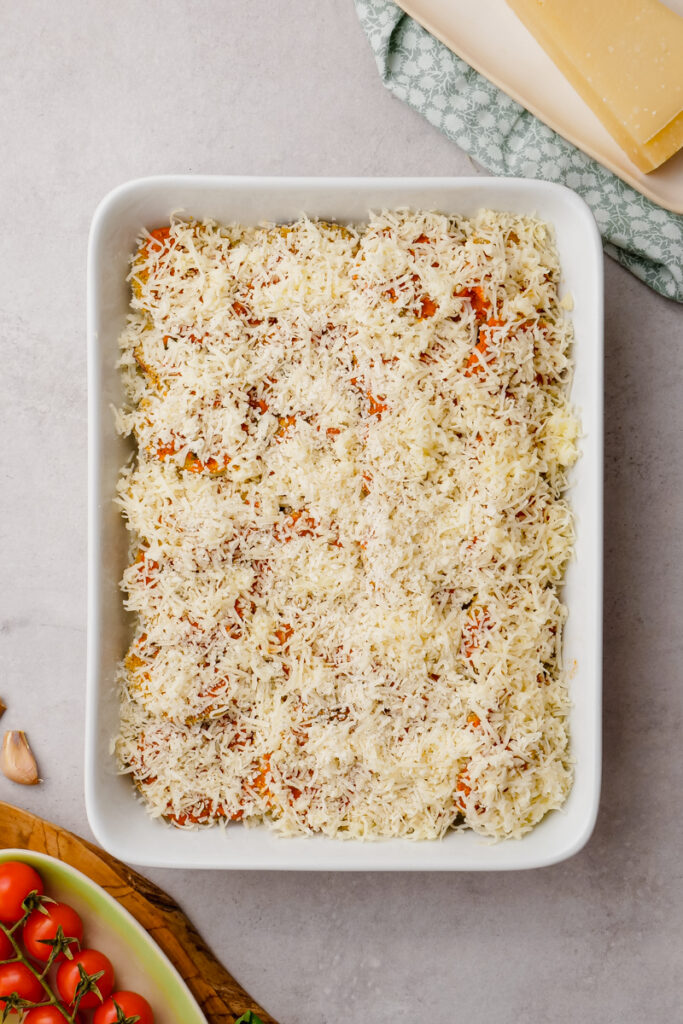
(348, 525)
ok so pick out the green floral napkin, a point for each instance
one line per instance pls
(508, 140)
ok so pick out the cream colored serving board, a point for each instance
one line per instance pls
(489, 36)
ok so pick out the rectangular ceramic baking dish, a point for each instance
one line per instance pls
(118, 820)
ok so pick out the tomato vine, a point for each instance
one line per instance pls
(60, 946)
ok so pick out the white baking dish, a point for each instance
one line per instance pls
(118, 820)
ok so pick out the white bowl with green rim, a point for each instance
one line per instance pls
(138, 962)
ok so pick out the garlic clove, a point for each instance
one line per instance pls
(16, 760)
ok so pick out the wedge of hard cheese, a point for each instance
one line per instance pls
(625, 59)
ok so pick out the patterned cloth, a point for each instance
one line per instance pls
(508, 140)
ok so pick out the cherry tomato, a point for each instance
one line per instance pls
(92, 962)
(17, 880)
(17, 979)
(130, 1005)
(41, 927)
(48, 1015)
(6, 947)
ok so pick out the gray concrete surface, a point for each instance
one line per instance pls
(95, 93)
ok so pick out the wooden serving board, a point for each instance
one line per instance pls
(221, 998)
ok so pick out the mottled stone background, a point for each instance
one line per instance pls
(93, 94)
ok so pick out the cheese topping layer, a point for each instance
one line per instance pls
(348, 525)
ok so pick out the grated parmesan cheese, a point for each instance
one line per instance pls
(347, 525)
